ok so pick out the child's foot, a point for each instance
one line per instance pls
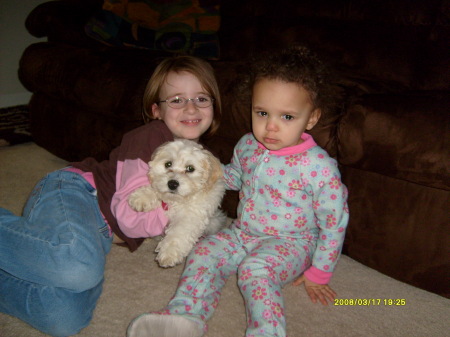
(154, 325)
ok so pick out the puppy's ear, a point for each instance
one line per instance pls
(214, 168)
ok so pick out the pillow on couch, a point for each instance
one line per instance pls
(188, 26)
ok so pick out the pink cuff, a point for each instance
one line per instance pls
(318, 276)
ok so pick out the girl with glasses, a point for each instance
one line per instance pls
(52, 258)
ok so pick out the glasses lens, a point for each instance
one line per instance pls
(203, 101)
(176, 102)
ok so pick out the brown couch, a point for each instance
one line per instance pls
(389, 132)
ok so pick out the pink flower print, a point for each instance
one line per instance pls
(292, 160)
(326, 267)
(274, 217)
(289, 265)
(277, 203)
(266, 160)
(245, 274)
(288, 216)
(253, 216)
(333, 243)
(270, 259)
(290, 194)
(335, 183)
(223, 236)
(271, 231)
(243, 162)
(282, 250)
(259, 293)
(274, 194)
(321, 183)
(277, 310)
(202, 250)
(249, 142)
(282, 172)
(333, 256)
(271, 272)
(314, 174)
(331, 221)
(326, 172)
(262, 220)
(284, 275)
(298, 210)
(267, 314)
(316, 204)
(305, 161)
(320, 155)
(300, 222)
(200, 271)
(270, 171)
(222, 262)
(253, 159)
(249, 206)
(258, 151)
(295, 184)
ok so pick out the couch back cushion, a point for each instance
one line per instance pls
(402, 44)
(402, 136)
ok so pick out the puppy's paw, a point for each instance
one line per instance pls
(142, 200)
(169, 253)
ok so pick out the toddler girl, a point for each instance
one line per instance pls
(52, 258)
(292, 212)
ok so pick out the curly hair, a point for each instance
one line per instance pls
(296, 64)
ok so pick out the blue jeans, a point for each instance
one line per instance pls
(52, 258)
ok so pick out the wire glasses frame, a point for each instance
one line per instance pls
(178, 102)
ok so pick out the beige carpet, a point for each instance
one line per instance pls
(134, 284)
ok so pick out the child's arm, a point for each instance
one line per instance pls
(132, 174)
(331, 213)
(232, 172)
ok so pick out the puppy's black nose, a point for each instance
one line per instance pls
(173, 184)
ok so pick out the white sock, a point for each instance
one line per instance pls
(154, 325)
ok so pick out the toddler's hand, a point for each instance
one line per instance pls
(315, 291)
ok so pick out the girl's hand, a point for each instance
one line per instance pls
(321, 292)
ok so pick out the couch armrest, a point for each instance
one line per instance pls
(62, 20)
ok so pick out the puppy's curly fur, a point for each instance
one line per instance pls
(188, 179)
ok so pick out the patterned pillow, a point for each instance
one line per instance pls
(188, 26)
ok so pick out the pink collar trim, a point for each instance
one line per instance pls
(308, 142)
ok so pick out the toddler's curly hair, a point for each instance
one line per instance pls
(296, 64)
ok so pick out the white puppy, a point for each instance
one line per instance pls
(188, 179)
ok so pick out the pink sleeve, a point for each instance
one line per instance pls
(318, 276)
(132, 174)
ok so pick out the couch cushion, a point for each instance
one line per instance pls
(404, 136)
(173, 26)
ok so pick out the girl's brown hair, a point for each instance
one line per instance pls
(197, 67)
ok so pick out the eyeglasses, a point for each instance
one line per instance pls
(177, 102)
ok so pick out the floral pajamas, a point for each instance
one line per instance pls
(292, 217)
